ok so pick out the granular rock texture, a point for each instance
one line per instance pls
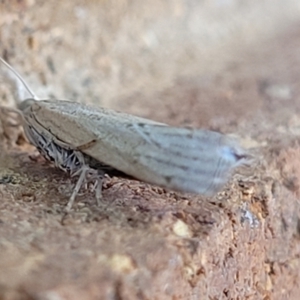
(221, 65)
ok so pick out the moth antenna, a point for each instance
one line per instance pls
(29, 90)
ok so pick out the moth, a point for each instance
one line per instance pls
(91, 141)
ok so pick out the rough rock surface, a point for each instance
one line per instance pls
(222, 65)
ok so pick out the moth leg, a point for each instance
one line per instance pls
(98, 192)
(97, 186)
(78, 185)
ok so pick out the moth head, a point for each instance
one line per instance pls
(26, 104)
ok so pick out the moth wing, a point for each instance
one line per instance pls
(188, 160)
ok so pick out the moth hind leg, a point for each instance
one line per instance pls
(87, 175)
(97, 187)
(82, 171)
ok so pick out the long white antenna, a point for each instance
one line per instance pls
(29, 90)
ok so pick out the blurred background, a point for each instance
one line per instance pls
(208, 63)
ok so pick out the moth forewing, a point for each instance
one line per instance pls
(183, 159)
(73, 121)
